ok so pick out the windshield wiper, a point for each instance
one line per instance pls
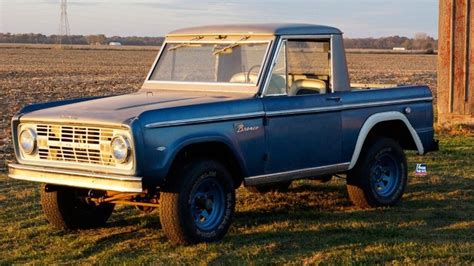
(185, 44)
(232, 45)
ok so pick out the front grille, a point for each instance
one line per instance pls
(76, 144)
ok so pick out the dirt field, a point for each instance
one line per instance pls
(312, 223)
(41, 75)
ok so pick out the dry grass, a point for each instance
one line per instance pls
(310, 224)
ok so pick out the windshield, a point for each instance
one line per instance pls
(221, 62)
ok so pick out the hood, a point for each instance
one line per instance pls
(119, 109)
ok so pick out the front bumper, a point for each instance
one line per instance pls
(74, 178)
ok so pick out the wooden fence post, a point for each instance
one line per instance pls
(455, 95)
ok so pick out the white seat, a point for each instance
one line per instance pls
(316, 85)
(242, 78)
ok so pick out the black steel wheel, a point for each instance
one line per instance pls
(380, 175)
(198, 204)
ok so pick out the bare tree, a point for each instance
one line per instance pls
(421, 36)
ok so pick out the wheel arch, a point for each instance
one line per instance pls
(212, 148)
(386, 124)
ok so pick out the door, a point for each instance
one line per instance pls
(303, 117)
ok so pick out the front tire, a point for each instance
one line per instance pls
(67, 208)
(198, 205)
(380, 175)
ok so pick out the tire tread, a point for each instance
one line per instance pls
(358, 188)
(173, 224)
(62, 214)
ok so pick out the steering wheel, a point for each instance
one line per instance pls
(189, 77)
(250, 71)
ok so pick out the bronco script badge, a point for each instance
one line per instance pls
(240, 127)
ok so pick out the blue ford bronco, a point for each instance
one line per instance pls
(258, 105)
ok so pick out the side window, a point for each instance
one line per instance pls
(304, 66)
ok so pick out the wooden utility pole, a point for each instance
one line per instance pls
(455, 62)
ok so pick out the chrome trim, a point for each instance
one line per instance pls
(309, 37)
(344, 107)
(295, 174)
(220, 33)
(63, 120)
(264, 64)
(127, 145)
(154, 62)
(202, 83)
(278, 113)
(35, 141)
(304, 111)
(194, 87)
(73, 178)
(424, 130)
(270, 70)
(215, 41)
(331, 64)
(285, 45)
(390, 102)
(264, 60)
(128, 169)
(205, 120)
(281, 40)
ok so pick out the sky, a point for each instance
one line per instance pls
(356, 18)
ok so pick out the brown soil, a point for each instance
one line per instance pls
(41, 75)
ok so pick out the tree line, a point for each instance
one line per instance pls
(98, 39)
(421, 41)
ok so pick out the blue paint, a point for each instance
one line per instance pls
(208, 204)
(281, 142)
(278, 133)
(385, 175)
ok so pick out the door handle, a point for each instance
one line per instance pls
(334, 98)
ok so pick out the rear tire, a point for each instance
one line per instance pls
(66, 208)
(380, 175)
(279, 187)
(198, 204)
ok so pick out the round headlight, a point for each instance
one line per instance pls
(27, 141)
(120, 149)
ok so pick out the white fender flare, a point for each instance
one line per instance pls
(381, 117)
